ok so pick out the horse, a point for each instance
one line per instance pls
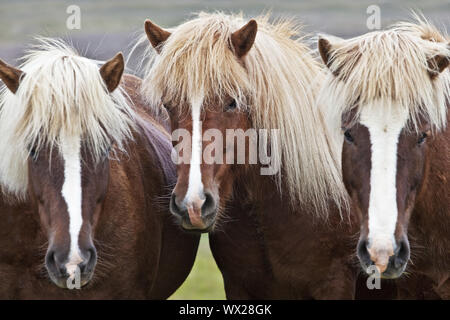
(85, 173)
(389, 92)
(221, 74)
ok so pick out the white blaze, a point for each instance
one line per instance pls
(71, 192)
(195, 186)
(384, 129)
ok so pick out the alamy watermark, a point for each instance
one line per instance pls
(73, 21)
(237, 147)
(374, 279)
(373, 21)
(74, 280)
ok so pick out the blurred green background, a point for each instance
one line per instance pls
(109, 26)
(205, 280)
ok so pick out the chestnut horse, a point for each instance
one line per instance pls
(389, 91)
(93, 168)
(222, 75)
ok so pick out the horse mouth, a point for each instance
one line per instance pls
(391, 272)
(188, 227)
(71, 282)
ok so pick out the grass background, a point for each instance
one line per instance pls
(109, 26)
(205, 280)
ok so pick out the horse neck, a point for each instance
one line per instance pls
(132, 86)
(267, 195)
(152, 137)
(140, 176)
(247, 177)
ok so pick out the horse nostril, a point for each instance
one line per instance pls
(53, 264)
(403, 253)
(362, 249)
(363, 253)
(50, 259)
(89, 261)
(209, 206)
(174, 207)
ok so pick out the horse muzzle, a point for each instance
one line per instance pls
(72, 273)
(388, 262)
(198, 215)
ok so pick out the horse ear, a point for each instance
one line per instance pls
(156, 34)
(325, 50)
(112, 71)
(244, 38)
(327, 47)
(438, 63)
(10, 76)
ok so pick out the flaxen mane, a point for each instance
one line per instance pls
(61, 94)
(390, 66)
(277, 86)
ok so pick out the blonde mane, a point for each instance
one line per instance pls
(277, 85)
(61, 94)
(390, 66)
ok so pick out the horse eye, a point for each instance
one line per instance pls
(231, 106)
(107, 151)
(348, 136)
(33, 153)
(422, 138)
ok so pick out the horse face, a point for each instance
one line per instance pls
(67, 181)
(203, 187)
(384, 156)
(204, 177)
(383, 167)
(69, 193)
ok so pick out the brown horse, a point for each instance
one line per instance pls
(390, 90)
(240, 82)
(93, 168)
